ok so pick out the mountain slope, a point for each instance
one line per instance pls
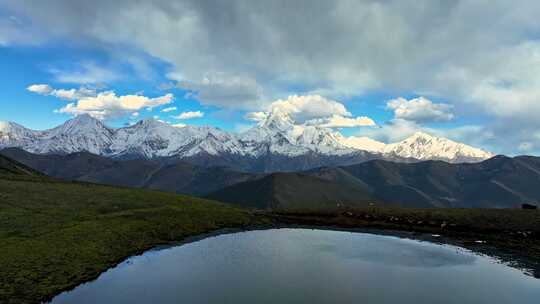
(496, 183)
(10, 166)
(179, 177)
(294, 191)
(500, 182)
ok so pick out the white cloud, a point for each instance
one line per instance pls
(108, 105)
(312, 110)
(336, 121)
(276, 46)
(420, 109)
(190, 115)
(308, 107)
(42, 89)
(178, 125)
(504, 82)
(169, 109)
(256, 116)
(102, 105)
(71, 94)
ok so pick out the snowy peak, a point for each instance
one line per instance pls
(423, 146)
(277, 134)
(277, 121)
(153, 138)
(13, 134)
(81, 125)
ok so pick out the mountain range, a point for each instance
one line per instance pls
(274, 144)
(499, 182)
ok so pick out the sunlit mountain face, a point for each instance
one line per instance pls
(373, 76)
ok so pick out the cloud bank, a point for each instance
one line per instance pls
(244, 54)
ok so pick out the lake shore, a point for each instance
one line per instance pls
(521, 251)
(56, 235)
(512, 236)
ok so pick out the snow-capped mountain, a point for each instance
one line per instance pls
(82, 133)
(12, 134)
(280, 135)
(152, 138)
(420, 146)
(270, 145)
(423, 146)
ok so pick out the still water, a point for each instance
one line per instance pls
(308, 266)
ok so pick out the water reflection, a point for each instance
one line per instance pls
(393, 251)
(308, 266)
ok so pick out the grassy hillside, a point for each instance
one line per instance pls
(57, 234)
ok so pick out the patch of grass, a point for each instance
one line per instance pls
(54, 235)
(454, 219)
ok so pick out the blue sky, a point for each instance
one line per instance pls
(382, 69)
(23, 66)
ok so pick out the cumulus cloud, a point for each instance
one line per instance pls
(169, 109)
(70, 94)
(102, 105)
(190, 115)
(107, 105)
(312, 110)
(43, 89)
(307, 107)
(420, 109)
